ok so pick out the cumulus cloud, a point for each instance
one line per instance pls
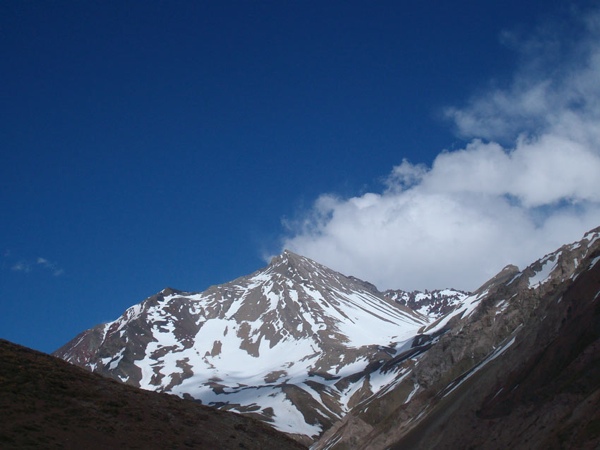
(527, 182)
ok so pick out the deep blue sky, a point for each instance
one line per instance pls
(152, 144)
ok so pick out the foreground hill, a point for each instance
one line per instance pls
(47, 403)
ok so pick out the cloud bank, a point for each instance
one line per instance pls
(527, 182)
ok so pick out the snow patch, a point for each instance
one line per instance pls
(482, 364)
(543, 274)
(412, 393)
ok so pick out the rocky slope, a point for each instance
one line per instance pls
(517, 366)
(47, 403)
(295, 344)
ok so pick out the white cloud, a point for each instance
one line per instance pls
(50, 266)
(21, 266)
(527, 182)
(28, 265)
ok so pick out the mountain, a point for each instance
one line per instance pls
(516, 366)
(435, 304)
(295, 344)
(337, 364)
(47, 403)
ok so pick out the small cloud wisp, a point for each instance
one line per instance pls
(28, 266)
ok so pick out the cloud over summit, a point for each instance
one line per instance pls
(527, 182)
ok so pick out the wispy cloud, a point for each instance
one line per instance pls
(29, 265)
(50, 266)
(21, 266)
(526, 183)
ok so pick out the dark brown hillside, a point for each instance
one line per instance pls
(545, 397)
(48, 403)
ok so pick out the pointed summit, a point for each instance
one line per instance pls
(300, 268)
(285, 257)
(290, 258)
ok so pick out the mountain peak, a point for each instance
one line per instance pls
(289, 263)
(288, 257)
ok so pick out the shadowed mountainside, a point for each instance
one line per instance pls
(48, 403)
(520, 369)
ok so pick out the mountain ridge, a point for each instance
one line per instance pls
(328, 358)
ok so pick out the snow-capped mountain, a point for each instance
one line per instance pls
(434, 303)
(337, 364)
(296, 344)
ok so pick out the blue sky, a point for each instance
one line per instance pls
(154, 144)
